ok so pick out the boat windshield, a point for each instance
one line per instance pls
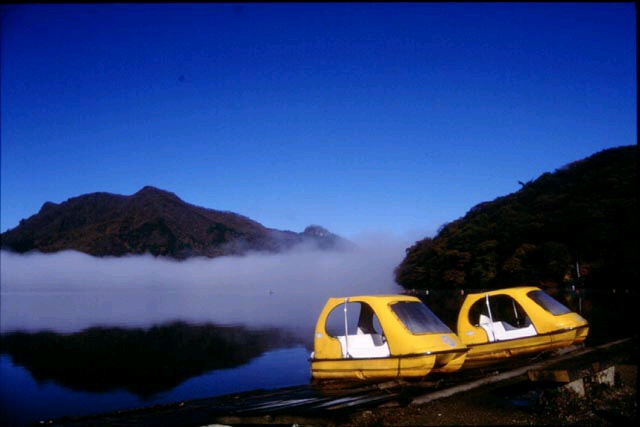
(548, 303)
(418, 318)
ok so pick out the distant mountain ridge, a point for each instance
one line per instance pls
(152, 221)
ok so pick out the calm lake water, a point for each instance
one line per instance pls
(24, 400)
(78, 353)
(82, 335)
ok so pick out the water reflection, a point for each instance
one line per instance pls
(142, 361)
(72, 370)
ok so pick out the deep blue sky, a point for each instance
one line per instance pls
(358, 117)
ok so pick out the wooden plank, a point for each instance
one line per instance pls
(565, 375)
(235, 420)
(519, 372)
(359, 401)
(549, 375)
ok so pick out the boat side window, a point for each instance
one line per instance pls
(506, 309)
(479, 308)
(503, 308)
(360, 319)
(548, 303)
(418, 318)
(358, 331)
(368, 322)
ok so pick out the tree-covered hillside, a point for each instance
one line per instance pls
(583, 214)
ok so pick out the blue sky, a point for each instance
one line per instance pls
(361, 117)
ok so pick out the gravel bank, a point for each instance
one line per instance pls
(605, 405)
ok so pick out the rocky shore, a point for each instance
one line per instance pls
(603, 406)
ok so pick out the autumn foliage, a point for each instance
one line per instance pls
(575, 225)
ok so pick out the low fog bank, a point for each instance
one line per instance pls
(69, 291)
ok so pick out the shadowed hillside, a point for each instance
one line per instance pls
(152, 221)
(574, 228)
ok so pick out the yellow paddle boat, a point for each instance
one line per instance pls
(383, 336)
(509, 322)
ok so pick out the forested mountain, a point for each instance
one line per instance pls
(152, 221)
(580, 218)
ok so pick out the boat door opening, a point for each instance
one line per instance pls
(502, 318)
(358, 329)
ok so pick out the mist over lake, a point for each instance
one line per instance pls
(68, 291)
(76, 328)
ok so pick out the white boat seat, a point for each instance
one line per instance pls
(363, 346)
(504, 331)
(485, 323)
(498, 331)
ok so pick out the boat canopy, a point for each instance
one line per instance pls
(381, 330)
(520, 320)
